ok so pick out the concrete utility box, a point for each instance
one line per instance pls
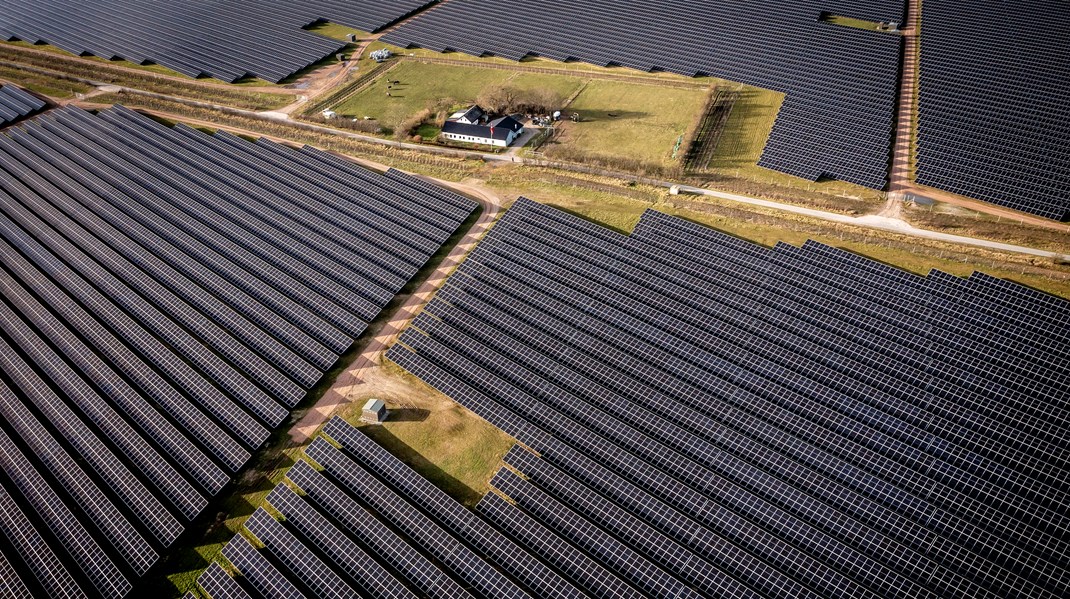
(374, 412)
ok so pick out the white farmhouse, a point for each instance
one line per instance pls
(473, 126)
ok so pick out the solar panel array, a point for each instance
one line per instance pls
(16, 104)
(994, 115)
(168, 296)
(840, 82)
(226, 40)
(367, 525)
(717, 418)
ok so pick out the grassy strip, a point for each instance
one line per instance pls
(42, 84)
(618, 206)
(442, 167)
(961, 221)
(572, 67)
(108, 74)
(147, 67)
(852, 22)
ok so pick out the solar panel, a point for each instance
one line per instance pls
(159, 316)
(225, 41)
(704, 390)
(11, 584)
(296, 558)
(16, 104)
(424, 531)
(104, 576)
(351, 559)
(218, 585)
(24, 540)
(444, 509)
(411, 565)
(991, 119)
(259, 571)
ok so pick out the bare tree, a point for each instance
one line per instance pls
(503, 99)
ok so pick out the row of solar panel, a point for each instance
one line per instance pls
(168, 295)
(16, 104)
(787, 400)
(226, 41)
(840, 82)
(991, 118)
(367, 525)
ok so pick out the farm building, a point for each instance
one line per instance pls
(474, 126)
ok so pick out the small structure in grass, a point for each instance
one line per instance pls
(374, 412)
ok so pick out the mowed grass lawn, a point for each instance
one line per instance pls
(631, 121)
(422, 84)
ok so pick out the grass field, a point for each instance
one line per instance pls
(446, 443)
(336, 31)
(422, 84)
(533, 61)
(629, 121)
(646, 120)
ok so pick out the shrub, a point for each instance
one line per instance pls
(409, 126)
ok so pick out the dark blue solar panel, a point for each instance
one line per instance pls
(992, 109)
(714, 390)
(227, 41)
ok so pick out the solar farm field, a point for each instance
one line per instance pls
(168, 297)
(698, 416)
(225, 40)
(685, 376)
